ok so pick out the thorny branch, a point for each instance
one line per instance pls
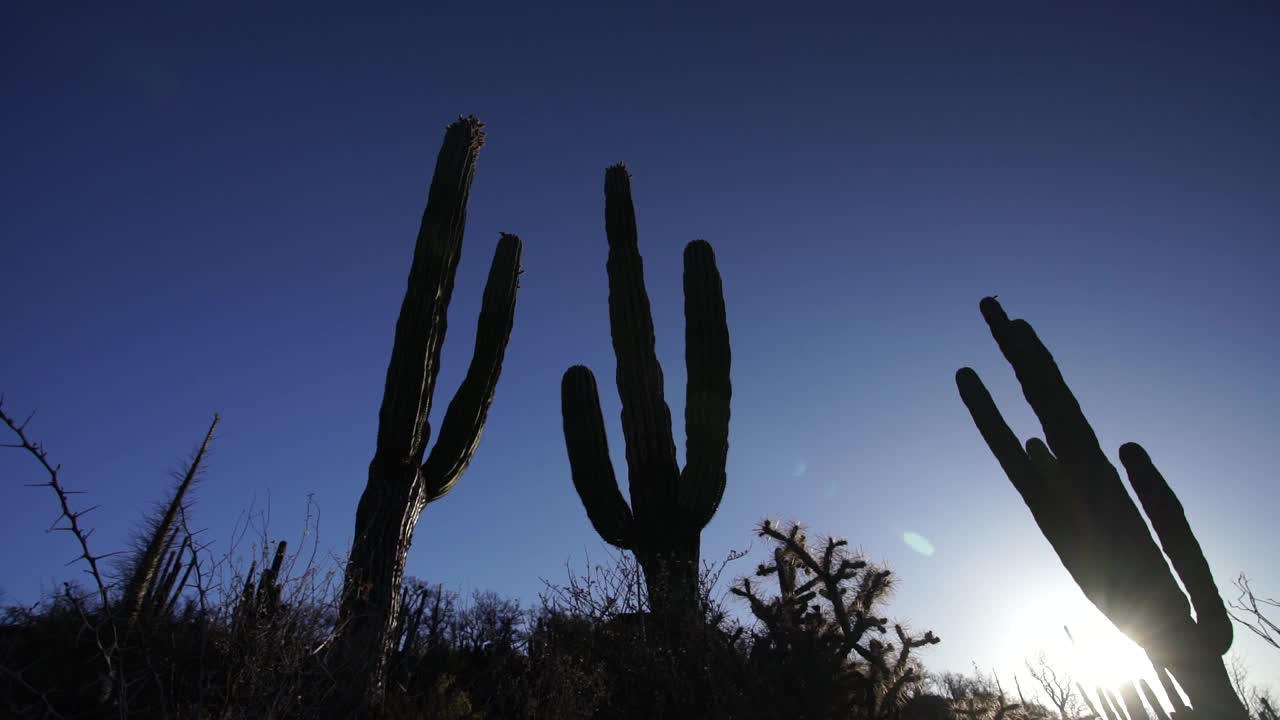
(73, 526)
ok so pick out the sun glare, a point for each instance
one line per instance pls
(1077, 638)
(1099, 655)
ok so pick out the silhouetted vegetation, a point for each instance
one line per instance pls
(247, 643)
(1077, 499)
(1256, 613)
(179, 633)
(821, 638)
(669, 506)
(256, 644)
(403, 477)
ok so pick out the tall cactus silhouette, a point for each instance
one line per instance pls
(1076, 497)
(669, 507)
(401, 482)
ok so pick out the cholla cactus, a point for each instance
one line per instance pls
(1076, 497)
(825, 618)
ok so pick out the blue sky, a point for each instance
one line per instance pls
(212, 209)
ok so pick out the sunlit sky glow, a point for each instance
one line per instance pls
(212, 208)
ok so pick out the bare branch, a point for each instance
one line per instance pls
(73, 517)
(1250, 611)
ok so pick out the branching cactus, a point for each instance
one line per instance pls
(669, 507)
(401, 482)
(823, 624)
(1076, 497)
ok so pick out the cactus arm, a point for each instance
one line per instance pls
(267, 599)
(1068, 523)
(1179, 543)
(588, 446)
(708, 390)
(397, 489)
(1132, 704)
(464, 420)
(1035, 474)
(1006, 447)
(1088, 701)
(786, 574)
(1104, 704)
(1115, 521)
(420, 328)
(663, 521)
(1170, 689)
(646, 419)
(1066, 429)
(1104, 541)
(1116, 705)
(1150, 696)
(1100, 494)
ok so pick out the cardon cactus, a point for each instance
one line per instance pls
(1078, 500)
(669, 507)
(401, 482)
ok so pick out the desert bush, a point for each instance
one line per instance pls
(179, 633)
(821, 649)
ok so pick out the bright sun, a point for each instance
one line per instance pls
(1096, 654)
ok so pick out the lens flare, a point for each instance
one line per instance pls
(918, 542)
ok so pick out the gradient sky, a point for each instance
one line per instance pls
(212, 207)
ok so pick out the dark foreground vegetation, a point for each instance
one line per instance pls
(169, 631)
(257, 646)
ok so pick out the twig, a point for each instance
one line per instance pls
(73, 517)
(1248, 604)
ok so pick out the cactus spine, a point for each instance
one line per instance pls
(1076, 497)
(401, 482)
(669, 507)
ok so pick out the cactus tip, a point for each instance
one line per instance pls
(472, 126)
(698, 246)
(618, 173)
(992, 312)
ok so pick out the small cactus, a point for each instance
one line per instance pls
(260, 600)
